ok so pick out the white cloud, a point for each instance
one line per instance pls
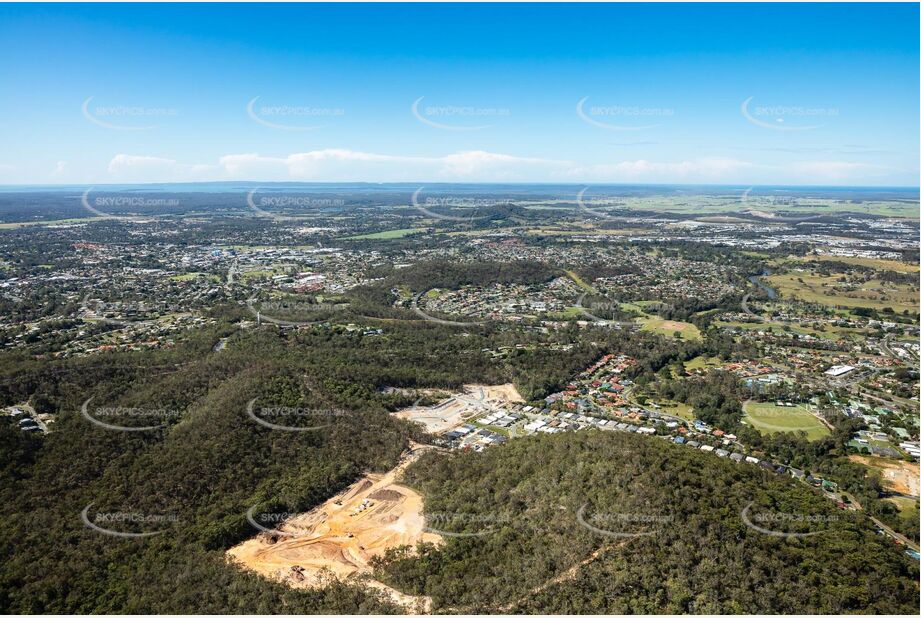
(336, 164)
(8, 174)
(705, 169)
(493, 166)
(134, 168)
(141, 169)
(344, 165)
(329, 164)
(60, 169)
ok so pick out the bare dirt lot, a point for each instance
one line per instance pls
(340, 537)
(453, 412)
(899, 476)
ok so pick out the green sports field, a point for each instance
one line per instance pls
(771, 418)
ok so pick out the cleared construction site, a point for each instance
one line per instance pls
(339, 538)
(476, 399)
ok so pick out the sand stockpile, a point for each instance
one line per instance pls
(386, 494)
(340, 537)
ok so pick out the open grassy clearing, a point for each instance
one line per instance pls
(546, 231)
(873, 294)
(404, 292)
(676, 408)
(703, 205)
(195, 275)
(580, 282)
(702, 362)
(639, 306)
(261, 273)
(902, 267)
(670, 328)
(771, 418)
(568, 314)
(715, 310)
(833, 333)
(387, 235)
(18, 224)
(908, 507)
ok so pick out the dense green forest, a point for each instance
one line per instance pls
(673, 535)
(199, 475)
(210, 462)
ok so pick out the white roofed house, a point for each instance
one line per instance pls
(836, 371)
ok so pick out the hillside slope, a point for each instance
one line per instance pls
(595, 522)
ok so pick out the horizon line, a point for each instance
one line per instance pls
(442, 182)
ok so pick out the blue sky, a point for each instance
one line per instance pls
(811, 94)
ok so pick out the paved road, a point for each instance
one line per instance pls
(594, 318)
(900, 537)
(746, 309)
(884, 345)
(425, 316)
(232, 273)
(895, 400)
